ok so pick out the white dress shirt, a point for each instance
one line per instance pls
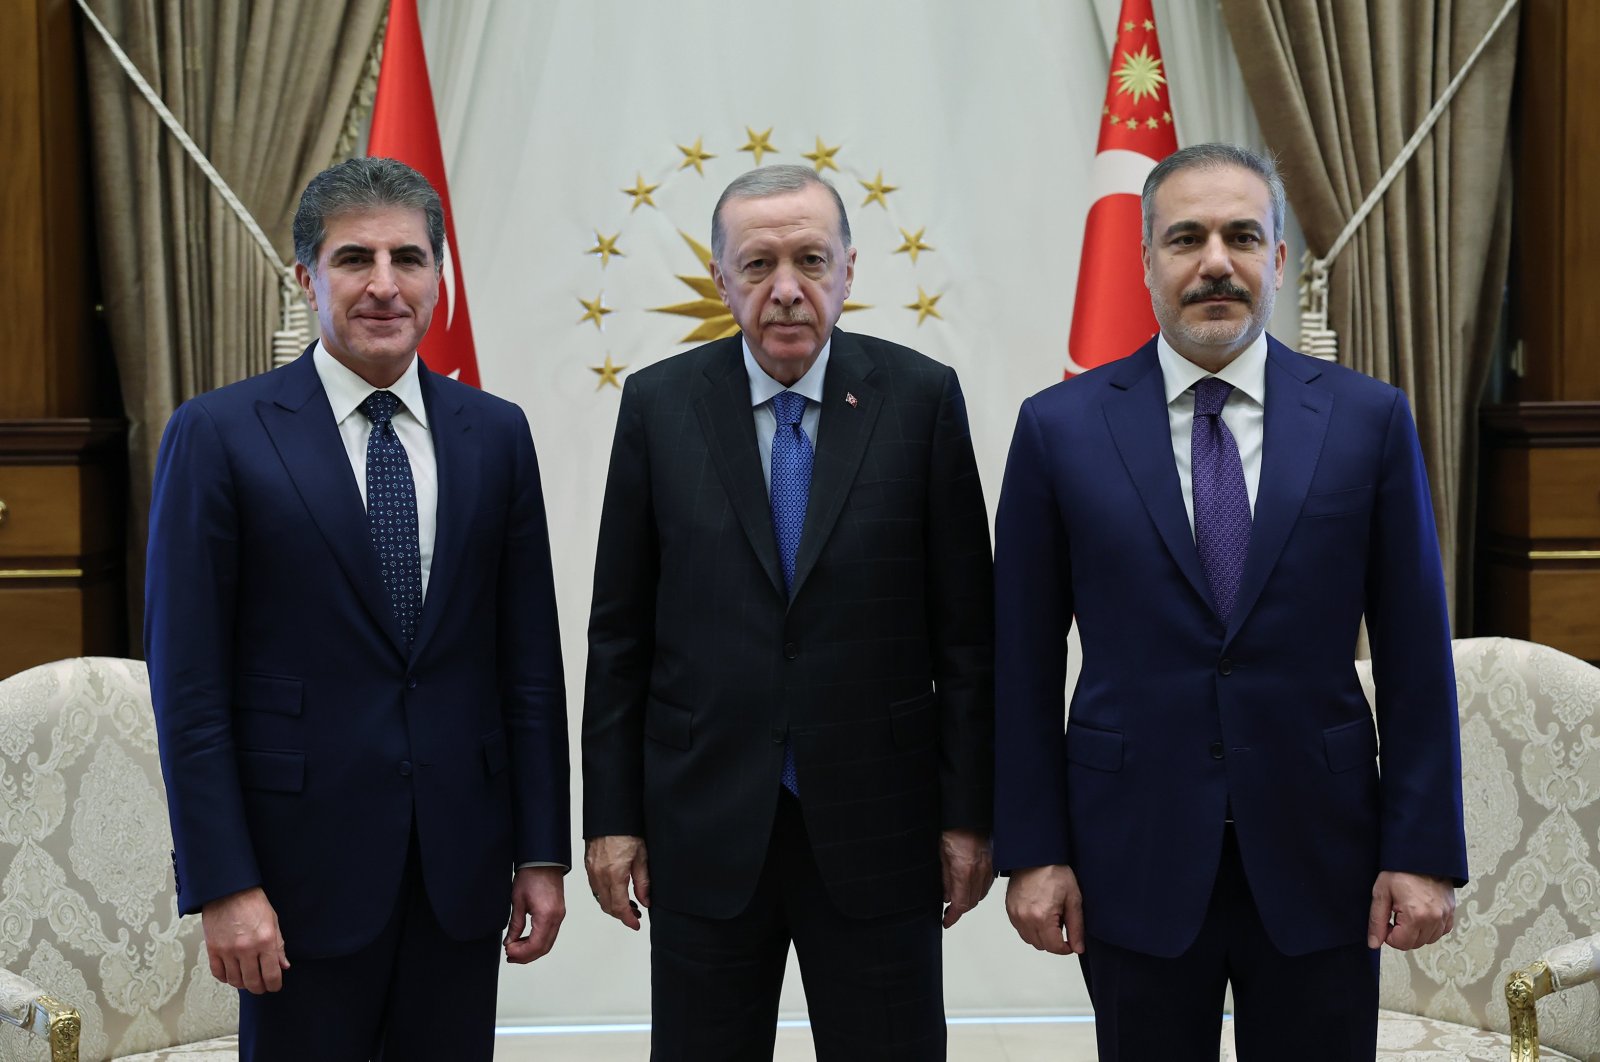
(1244, 412)
(346, 391)
(764, 387)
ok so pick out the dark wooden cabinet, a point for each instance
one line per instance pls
(62, 517)
(1539, 525)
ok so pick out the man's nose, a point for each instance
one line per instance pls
(382, 281)
(785, 286)
(1215, 261)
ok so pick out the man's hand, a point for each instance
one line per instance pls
(967, 866)
(611, 862)
(1424, 909)
(243, 941)
(1046, 908)
(536, 897)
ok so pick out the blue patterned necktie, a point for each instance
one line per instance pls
(1221, 501)
(791, 489)
(392, 512)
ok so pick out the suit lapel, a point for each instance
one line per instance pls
(1136, 413)
(300, 423)
(842, 434)
(1296, 422)
(723, 408)
(456, 455)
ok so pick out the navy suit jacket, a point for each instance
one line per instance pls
(1176, 716)
(300, 740)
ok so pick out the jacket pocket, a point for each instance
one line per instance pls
(1338, 502)
(1098, 749)
(913, 721)
(272, 769)
(668, 724)
(1350, 745)
(270, 693)
(494, 753)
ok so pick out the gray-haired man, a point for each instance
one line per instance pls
(351, 631)
(787, 721)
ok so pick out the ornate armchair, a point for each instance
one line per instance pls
(1528, 924)
(89, 928)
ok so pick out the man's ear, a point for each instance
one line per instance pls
(720, 279)
(303, 275)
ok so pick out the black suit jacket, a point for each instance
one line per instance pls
(880, 666)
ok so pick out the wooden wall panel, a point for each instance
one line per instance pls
(23, 341)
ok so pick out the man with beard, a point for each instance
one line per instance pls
(787, 727)
(1219, 513)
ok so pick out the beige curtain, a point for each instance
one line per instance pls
(191, 302)
(1339, 86)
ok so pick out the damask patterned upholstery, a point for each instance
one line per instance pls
(87, 907)
(1530, 752)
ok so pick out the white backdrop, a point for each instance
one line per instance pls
(984, 117)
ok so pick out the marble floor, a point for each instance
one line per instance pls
(1055, 1040)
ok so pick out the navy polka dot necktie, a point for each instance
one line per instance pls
(791, 491)
(392, 512)
(1221, 500)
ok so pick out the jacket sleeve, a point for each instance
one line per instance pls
(621, 634)
(190, 593)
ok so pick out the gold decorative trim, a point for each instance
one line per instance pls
(1564, 554)
(360, 106)
(65, 1029)
(41, 573)
(1523, 989)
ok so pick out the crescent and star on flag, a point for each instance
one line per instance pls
(707, 307)
(1111, 314)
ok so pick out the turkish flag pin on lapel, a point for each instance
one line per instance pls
(848, 397)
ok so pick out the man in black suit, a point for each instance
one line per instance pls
(788, 720)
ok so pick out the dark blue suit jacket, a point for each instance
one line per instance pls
(300, 740)
(1176, 716)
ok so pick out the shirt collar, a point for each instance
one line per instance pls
(763, 387)
(346, 391)
(1247, 372)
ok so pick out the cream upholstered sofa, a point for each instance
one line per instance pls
(88, 915)
(1530, 754)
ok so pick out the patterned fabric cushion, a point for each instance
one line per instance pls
(222, 1049)
(87, 908)
(1531, 785)
(1408, 1038)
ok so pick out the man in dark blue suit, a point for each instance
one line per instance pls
(1220, 513)
(351, 631)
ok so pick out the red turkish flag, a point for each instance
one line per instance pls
(405, 127)
(1111, 315)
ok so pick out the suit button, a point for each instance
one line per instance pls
(1216, 750)
(411, 682)
(405, 768)
(790, 650)
(777, 735)
(1226, 666)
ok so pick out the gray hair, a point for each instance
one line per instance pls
(361, 184)
(767, 181)
(1210, 157)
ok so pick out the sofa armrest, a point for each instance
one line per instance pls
(1568, 965)
(28, 1007)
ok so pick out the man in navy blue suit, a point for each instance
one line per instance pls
(1220, 513)
(351, 631)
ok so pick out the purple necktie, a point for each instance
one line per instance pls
(1221, 502)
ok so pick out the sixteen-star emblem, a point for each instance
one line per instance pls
(1140, 74)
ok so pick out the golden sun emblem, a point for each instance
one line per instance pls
(1140, 74)
(716, 322)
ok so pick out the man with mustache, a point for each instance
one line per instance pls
(1220, 513)
(351, 629)
(787, 731)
